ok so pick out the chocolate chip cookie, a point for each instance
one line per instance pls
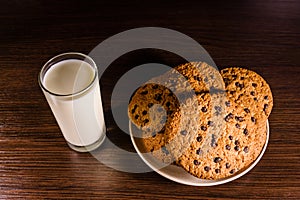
(249, 90)
(149, 100)
(237, 144)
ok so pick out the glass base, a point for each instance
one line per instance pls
(87, 148)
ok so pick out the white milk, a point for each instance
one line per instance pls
(80, 116)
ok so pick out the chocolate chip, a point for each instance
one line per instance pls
(255, 99)
(237, 142)
(213, 141)
(154, 86)
(232, 92)
(239, 119)
(218, 108)
(197, 78)
(204, 109)
(136, 116)
(246, 149)
(203, 128)
(253, 119)
(228, 117)
(242, 78)
(217, 171)
(254, 84)
(144, 112)
(266, 97)
(198, 151)
(227, 103)
(214, 144)
(165, 150)
(226, 81)
(237, 84)
(227, 147)
(210, 123)
(237, 125)
(158, 97)
(207, 168)
(150, 105)
(236, 148)
(234, 76)
(230, 137)
(196, 162)
(265, 107)
(169, 112)
(144, 92)
(134, 108)
(227, 165)
(162, 131)
(245, 131)
(252, 93)
(168, 104)
(146, 121)
(160, 109)
(183, 132)
(246, 110)
(217, 159)
(232, 171)
(199, 138)
(163, 119)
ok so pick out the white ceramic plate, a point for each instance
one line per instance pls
(179, 175)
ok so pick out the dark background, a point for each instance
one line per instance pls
(35, 161)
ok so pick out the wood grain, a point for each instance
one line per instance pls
(35, 162)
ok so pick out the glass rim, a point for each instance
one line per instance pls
(49, 64)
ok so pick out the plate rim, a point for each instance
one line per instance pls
(213, 182)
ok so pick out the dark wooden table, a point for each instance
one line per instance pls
(35, 161)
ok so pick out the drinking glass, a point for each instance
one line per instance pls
(70, 84)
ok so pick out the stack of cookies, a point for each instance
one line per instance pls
(211, 123)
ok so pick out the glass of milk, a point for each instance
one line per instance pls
(70, 84)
